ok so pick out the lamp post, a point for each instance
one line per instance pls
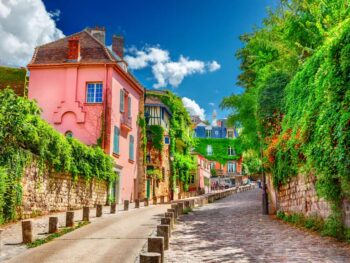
(265, 200)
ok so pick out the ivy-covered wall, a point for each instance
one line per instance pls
(219, 149)
(14, 78)
(24, 136)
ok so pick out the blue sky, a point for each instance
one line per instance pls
(203, 30)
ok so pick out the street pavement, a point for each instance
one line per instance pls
(113, 238)
(234, 230)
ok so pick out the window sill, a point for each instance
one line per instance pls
(116, 155)
(131, 161)
(93, 103)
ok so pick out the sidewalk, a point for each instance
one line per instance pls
(11, 238)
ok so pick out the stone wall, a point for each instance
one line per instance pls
(48, 192)
(299, 196)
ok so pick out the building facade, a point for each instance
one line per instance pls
(86, 92)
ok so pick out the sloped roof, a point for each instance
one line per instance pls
(155, 101)
(91, 51)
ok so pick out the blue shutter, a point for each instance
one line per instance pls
(116, 140)
(121, 100)
(131, 148)
(129, 107)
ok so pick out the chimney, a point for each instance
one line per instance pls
(118, 45)
(73, 48)
(99, 33)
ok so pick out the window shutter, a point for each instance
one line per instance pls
(121, 100)
(129, 107)
(116, 140)
(131, 148)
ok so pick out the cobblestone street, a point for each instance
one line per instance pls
(234, 230)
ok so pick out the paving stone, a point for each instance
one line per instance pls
(234, 230)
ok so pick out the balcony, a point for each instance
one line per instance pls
(125, 122)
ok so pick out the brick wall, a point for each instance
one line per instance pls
(49, 192)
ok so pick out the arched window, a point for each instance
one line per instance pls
(69, 134)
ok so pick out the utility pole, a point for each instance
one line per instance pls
(265, 200)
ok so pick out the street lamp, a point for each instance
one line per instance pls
(265, 200)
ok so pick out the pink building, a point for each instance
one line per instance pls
(86, 91)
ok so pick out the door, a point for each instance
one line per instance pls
(148, 189)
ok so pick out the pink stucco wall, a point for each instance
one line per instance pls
(61, 94)
(203, 171)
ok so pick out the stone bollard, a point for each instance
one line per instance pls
(174, 211)
(86, 213)
(187, 204)
(150, 257)
(70, 219)
(1, 231)
(180, 207)
(171, 215)
(146, 202)
(126, 205)
(164, 231)
(113, 208)
(53, 224)
(167, 221)
(192, 203)
(162, 199)
(155, 200)
(156, 244)
(137, 203)
(27, 231)
(99, 210)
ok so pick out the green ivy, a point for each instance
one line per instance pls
(24, 136)
(219, 149)
(156, 133)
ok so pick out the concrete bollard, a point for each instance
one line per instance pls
(126, 205)
(164, 231)
(180, 207)
(27, 231)
(70, 219)
(137, 203)
(113, 208)
(86, 213)
(162, 199)
(167, 221)
(99, 210)
(155, 200)
(150, 257)
(171, 215)
(156, 244)
(173, 211)
(146, 202)
(53, 224)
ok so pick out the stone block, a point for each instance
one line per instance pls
(113, 208)
(150, 257)
(172, 210)
(86, 213)
(53, 224)
(27, 231)
(70, 219)
(164, 231)
(99, 209)
(137, 203)
(126, 205)
(167, 221)
(156, 244)
(146, 202)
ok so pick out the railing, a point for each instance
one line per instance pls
(126, 121)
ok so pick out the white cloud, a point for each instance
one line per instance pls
(165, 71)
(193, 108)
(23, 26)
(214, 66)
(211, 104)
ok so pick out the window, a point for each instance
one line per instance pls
(208, 133)
(231, 167)
(216, 133)
(129, 107)
(166, 140)
(94, 93)
(212, 165)
(69, 134)
(209, 150)
(230, 134)
(162, 113)
(116, 140)
(131, 148)
(231, 151)
(122, 100)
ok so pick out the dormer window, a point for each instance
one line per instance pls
(94, 92)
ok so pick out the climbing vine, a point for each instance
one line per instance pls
(24, 136)
(219, 148)
(156, 134)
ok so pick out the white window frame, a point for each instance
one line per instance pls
(209, 150)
